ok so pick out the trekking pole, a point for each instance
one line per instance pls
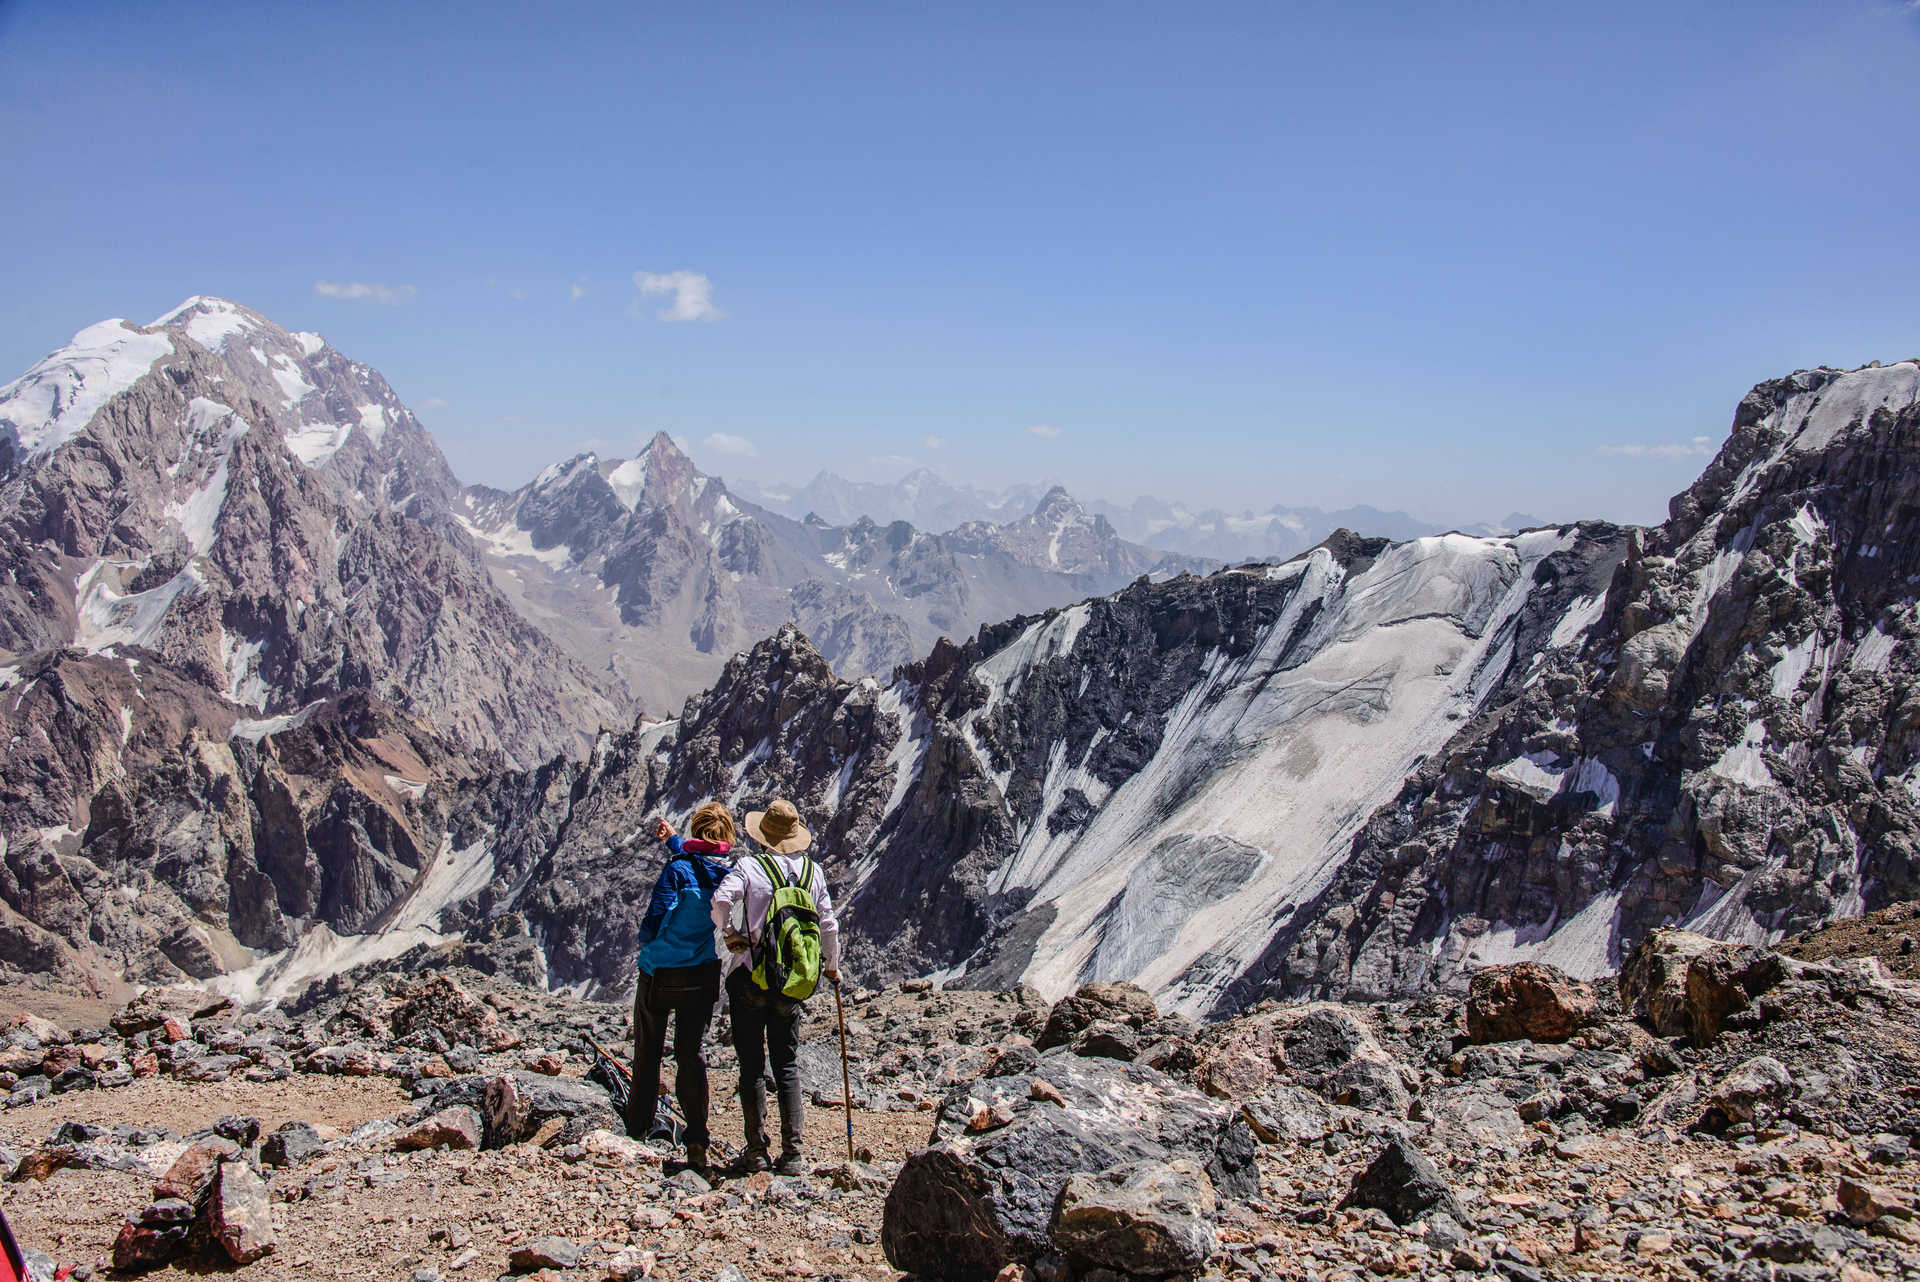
(846, 1074)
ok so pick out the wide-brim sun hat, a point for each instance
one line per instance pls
(778, 829)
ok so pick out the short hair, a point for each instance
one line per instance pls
(712, 823)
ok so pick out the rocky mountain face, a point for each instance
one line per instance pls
(1726, 737)
(1363, 772)
(262, 513)
(154, 833)
(655, 573)
(1137, 786)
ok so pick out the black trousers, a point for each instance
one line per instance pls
(767, 1029)
(688, 994)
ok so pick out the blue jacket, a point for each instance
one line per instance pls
(678, 927)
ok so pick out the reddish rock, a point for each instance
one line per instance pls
(146, 1064)
(59, 1060)
(1526, 1001)
(43, 1162)
(455, 1128)
(140, 1247)
(176, 1030)
(192, 1172)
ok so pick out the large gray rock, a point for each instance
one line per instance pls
(1144, 1218)
(1404, 1182)
(973, 1201)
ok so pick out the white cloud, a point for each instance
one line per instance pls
(434, 403)
(932, 442)
(1698, 446)
(726, 443)
(391, 295)
(577, 292)
(691, 294)
(517, 295)
(1046, 430)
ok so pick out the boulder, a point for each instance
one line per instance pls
(1751, 1088)
(1314, 1045)
(1725, 982)
(972, 1202)
(455, 1128)
(1286, 1113)
(31, 1032)
(1108, 1040)
(1404, 1183)
(153, 1009)
(1866, 1203)
(1124, 1004)
(517, 1104)
(238, 1215)
(1653, 983)
(291, 1144)
(1526, 1001)
(442, 1005)
(1144, 1218)
(192, 1173)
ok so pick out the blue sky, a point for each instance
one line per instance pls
(1460, 259)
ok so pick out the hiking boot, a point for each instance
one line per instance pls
(752, 1161)
(791, 1163)
(697, 1157)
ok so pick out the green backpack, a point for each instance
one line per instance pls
(787, 960)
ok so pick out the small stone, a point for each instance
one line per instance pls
(453, 1128)
(545, 1253)
(1865, 1203)
(689, 1181)
(1043, 1090)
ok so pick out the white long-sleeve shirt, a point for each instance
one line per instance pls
(748, 888)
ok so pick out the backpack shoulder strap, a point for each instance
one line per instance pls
(771, 866)
(806, 876)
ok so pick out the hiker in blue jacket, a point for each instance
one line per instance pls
(679, 976)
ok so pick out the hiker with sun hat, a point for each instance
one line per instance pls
(776, 924)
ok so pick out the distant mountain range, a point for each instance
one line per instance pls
(263, 512)
(927, 500)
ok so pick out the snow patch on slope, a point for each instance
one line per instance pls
(55, 400)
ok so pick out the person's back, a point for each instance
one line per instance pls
(766, 1025)
(679, 977)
